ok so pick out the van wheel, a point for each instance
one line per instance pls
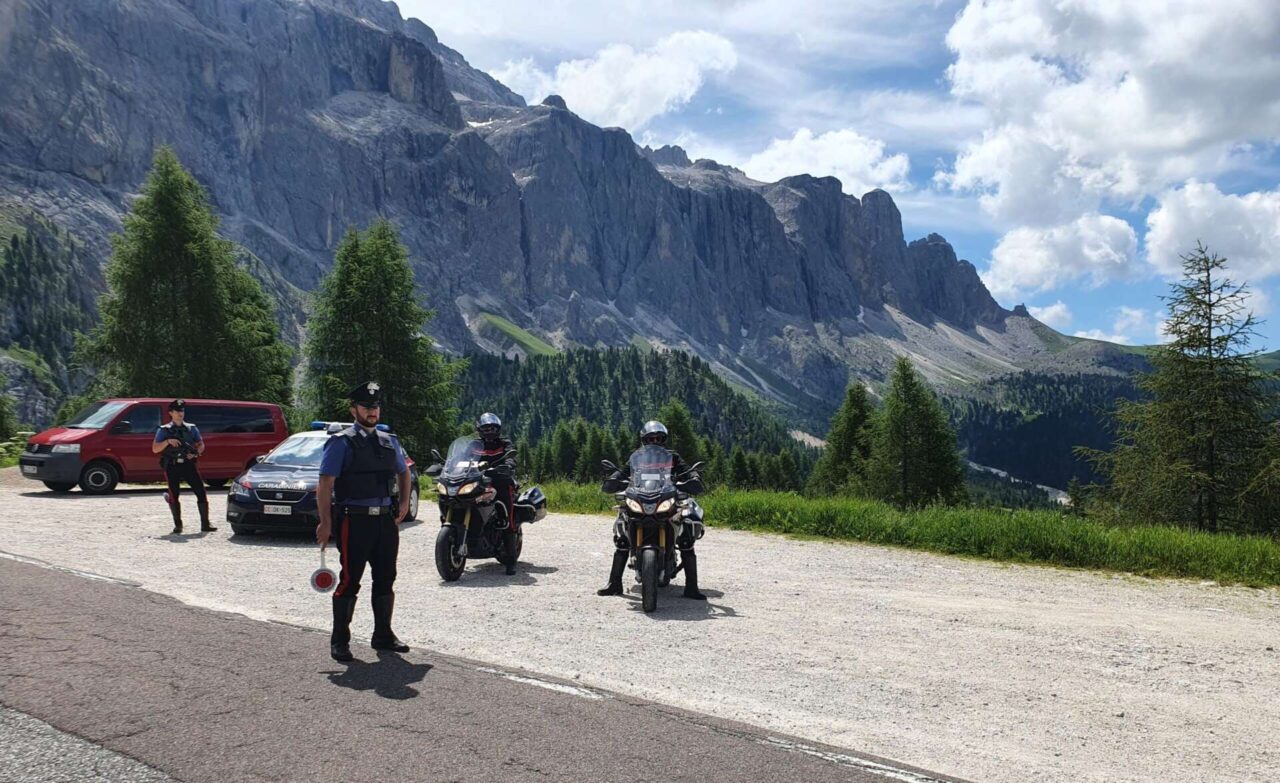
(99, 478)
(216, 483)
(60, 486)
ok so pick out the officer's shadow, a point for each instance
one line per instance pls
(389, 677)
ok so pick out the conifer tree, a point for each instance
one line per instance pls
(681, 437)
(913, 460)
(843, 464)
(1194, 450)
(179, 317)
(367, 325)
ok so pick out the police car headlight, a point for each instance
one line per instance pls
(66, 448)
(666, 505)
(441, 488)
(468, 488)
(634, 506)
(239, 490)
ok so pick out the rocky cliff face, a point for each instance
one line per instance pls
(304, 117)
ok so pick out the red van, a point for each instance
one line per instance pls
(110, 441)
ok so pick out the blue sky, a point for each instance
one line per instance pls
(1070, 150)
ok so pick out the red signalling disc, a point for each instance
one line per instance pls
(323, 580)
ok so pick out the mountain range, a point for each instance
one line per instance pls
(529, 228)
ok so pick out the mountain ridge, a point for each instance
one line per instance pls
(304, 117)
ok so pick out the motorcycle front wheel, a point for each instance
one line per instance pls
(448, 563)
(512, 543)
(649, 579)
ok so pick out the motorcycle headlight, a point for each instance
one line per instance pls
(468, 488)
(634, 506)
(441, 488)
(666, 505)
(66, 448)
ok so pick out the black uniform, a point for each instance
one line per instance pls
(684, 543)
(365, 466)
(180, 464)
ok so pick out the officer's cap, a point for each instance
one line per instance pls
(368, 394)
(178, 405)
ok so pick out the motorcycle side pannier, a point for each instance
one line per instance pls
(531, 506)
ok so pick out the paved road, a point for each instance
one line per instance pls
(206, 696)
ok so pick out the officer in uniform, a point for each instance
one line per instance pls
(179, 445)
(494, 446)
(357, 469)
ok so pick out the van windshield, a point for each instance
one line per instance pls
(96, 416)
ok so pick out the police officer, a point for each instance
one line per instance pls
(494, 446)
(180, 445)
(353, 497)
(654, 433)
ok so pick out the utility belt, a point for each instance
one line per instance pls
(364, 511)
(167, 461)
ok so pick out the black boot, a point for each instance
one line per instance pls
(383, 637)
(176, 510)
(691, 576)
(340, 640)
(205, 526)
(615, 574)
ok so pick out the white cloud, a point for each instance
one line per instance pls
(1098, 248)
(1057, 315)
(625, 87)
(858, 162)
(1132, 319)
(1110, 101)
(1243, 229)
(1098, 334)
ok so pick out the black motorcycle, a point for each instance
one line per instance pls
(473, 521)
(655, 508)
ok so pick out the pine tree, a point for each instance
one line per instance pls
(1190, 452)
(8, 417)
(913, 460)
(367, 325)
(843, 464)
(179, 318)
(739, 469)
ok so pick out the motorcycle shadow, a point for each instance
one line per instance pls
(494, 574)
(673, 606)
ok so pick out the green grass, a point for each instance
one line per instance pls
(1040, 537)
(532, 344)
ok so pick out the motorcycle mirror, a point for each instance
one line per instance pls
(434, 470)
(608, 465)
(436, 456)
(694, 468)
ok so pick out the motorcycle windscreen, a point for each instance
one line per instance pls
(650, 469)
(463, 459)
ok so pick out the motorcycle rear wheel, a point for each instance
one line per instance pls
(649, 579)
(448, 563)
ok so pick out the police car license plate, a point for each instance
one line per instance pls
(277, 510)
(32, 469)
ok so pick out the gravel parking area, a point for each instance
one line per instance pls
(979, 670)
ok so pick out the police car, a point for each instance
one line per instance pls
(278, 494)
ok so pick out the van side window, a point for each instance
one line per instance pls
(143, 419)
(230, 420)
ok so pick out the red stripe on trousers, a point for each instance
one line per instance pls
(343, 556)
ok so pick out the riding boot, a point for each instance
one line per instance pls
(690, 561)
(205, 525)
(340, 640)
(383, 637)
(176, 510)
(615, 574)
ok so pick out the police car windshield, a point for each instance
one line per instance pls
(96, 416)
(650, 468)
(464, 457)
(300, 451)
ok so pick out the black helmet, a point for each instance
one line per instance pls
(653, 432)
(489, 426)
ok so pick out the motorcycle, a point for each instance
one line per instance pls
(655, 508)
(474, 523)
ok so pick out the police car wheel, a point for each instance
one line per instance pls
(413, 506)
(241, 530)
(99, 478)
